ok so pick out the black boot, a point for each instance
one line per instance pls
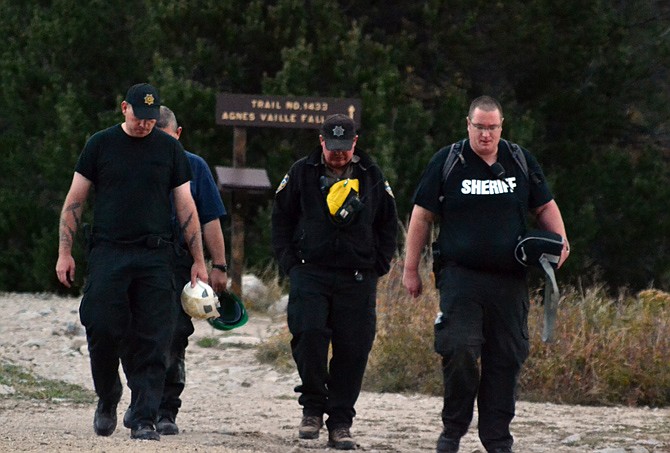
(104, 421)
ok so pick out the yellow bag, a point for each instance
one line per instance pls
(340, 192)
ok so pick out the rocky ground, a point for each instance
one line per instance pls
(235, 404)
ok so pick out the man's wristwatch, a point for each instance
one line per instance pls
(221, 267)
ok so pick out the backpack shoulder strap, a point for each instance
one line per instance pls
(454, 155)
(518, 156)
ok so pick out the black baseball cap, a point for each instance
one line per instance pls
(145, 101)
(339, 132)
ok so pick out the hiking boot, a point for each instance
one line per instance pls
(145, 432)
(128, 418)
(340, 439)
(310, 425)
(104, 421)
(447, 444)
(166, 425)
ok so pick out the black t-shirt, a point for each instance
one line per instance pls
(133, 178)
(481, 214)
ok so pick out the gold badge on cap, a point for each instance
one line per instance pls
(149, 99)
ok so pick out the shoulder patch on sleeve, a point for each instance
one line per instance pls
(387, 187)
(282, 184)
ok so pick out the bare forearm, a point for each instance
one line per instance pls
(190, 227)
(549, 218)
(418, 233)
(70, 221)
(213, 238)
(189, 224)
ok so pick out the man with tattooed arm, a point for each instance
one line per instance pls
(133, 169)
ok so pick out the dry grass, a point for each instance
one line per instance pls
(607, 350)
(402, 358)
(277, 351)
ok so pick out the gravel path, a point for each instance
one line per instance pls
(232, 403)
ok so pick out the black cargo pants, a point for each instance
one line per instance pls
(331, 306)
(127, 308)
(484, 316)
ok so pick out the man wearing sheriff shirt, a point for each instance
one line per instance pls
(481, 207)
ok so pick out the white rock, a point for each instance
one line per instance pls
(253, 288)
(33, 343)
(279, 307)
(28, 315)
(572, 439)
(78, 343)
(239, 340)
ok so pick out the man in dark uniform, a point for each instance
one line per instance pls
(210, 211)
(134, 169)
(484, 301)
(334, 225)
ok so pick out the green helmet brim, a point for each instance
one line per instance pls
(232, 313)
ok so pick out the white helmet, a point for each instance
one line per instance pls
(199, 302)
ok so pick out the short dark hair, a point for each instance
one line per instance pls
(486, 103)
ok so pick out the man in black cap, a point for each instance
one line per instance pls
(210, 212)
(334, 225)
(134, 169)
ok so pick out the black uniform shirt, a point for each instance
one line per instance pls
(303, 230)
(482, 215)
(133, 179)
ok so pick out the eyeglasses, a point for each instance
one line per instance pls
(482, 128)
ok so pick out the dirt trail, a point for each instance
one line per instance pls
(234, 404)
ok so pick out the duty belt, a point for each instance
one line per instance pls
(152, 241)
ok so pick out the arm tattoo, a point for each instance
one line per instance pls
(194, 240)
(66, 231)
(187, 222)
(66, 234)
